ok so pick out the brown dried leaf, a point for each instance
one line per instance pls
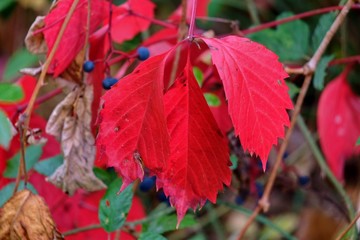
(73, 72)
(36, 43)
(71, 122)
(25, 216)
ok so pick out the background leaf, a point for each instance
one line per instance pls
(22, 58)
(320, 72)
(5, 3)
(10, 92)
(5, 131)
(151, 236)
(212, 100)
(32, 155)
(7, 191)
(48, 166)
(168, 223)
(321, 28)
(290, 40)
(114, 207)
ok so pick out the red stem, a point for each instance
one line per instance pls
(295, 17)
(192, 20)
(40, 100)
(345, 60)
(155, 21)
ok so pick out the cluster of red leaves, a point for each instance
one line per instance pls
(150, 120)
(79, 210)
(167, 127)
(338, 122)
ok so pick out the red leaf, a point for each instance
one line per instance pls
(338, 122)
(257, 95)
(133, 122)
(199, 162)
(126, 22)
(73, 39)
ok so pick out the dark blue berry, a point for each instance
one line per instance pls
(109, 82)
(303, 180)
(143, 53)
(88, 66)
(259, 189)
(239, 200)
(147, 184)
(162, 198)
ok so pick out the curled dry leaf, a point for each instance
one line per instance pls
(35, 43)
(25, 216)
(70, 122)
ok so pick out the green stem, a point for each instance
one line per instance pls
(161, 213)
(254, 15)
(261, 219)
(214, 219)
(82, 229)
(324, 167)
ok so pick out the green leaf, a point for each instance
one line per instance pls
(5, 131)
(48, 166)
(320, 73)
(10, 92)
(114, 207)
(5, 3)
(293, 89)
(290, 40)
(106, 176)
(168, 223)
(199, 76)
(7, 191)
(22, 58)
(151, 236)
(212, 100)
(234, 160)
(321, 28)
(358, 142)
(32, 155)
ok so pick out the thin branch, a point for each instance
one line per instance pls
(309, 68)
(181, 35)
(156, 21)
(82, 229)
(192, 19)
(348, 227)
(295, 17)
(39, 100)
(254, 15)
(25, 117)
(324, 167)
(311, 65)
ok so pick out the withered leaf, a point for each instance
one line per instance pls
(35, 43)
(71, 123)
(25, 216)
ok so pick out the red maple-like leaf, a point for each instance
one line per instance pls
(199, 161)
(338, 122)
(131, 18)
(254, 85)
(73, 40)
(133, 126)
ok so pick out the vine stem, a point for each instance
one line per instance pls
(309, 68)
(324, 167)
(192, 20)
(295, 17)
(82, 229)
(343, 233)
(254, 15)
(25, 117)
(181, 35)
